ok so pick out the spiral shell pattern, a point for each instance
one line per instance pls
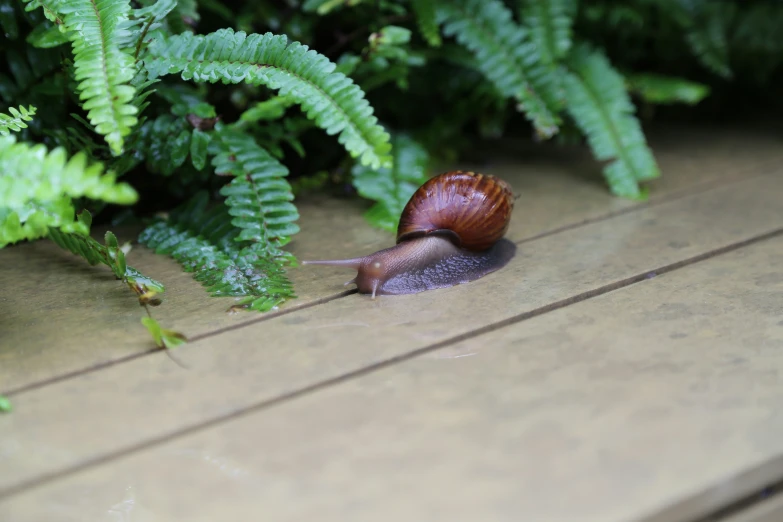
(472, 209)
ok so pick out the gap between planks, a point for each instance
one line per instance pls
(372, 368)
(743, 175)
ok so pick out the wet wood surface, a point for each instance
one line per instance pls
(629, 350)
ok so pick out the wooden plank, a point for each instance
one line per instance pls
(767, 510)
(61, 317)
(622, 408)
(95, 415)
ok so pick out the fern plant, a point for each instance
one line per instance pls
(220, 113)
(204, 241)
(102, 69)
(329, 98)
(37, 189)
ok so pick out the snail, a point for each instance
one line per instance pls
(450, 232)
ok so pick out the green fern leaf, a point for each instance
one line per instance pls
(259, 197)
(102, 69)
(603, 111)
(37, 186)
(163, 337)
(331, 99)
(506, 57)
(205, 242)
(47, 36)
(549, 23)
(266, 110)
(111, 254)
(391, 188)
(427, 21)
(660, 89)
(16, 121)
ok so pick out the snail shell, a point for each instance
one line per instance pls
(450, 232)
(472, 209)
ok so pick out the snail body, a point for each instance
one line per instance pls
(450, 232)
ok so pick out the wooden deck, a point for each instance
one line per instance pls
(626, 366)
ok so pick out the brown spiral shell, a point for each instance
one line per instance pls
(472, 209)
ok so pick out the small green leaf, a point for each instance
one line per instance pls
(270, 109)
(45, 37)
(657, 88)
(199, 144)
(393, 35)
(5, 405)
(163, 338)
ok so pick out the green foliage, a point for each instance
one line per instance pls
(110, 254)
(660, 89)
(602, 109)
(329, 98)
(707, 33)
(46, 36)
(258, 196)
(506, 56)
(102, 69)
(205, 242)
(549, 23)
(323, 7)
(220, 112)
(5, 405)
(391, 188)
(163, 337)
(37, 188)
(16, 121)
(426, 18)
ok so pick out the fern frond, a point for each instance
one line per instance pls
(204, 242)
(111, 254)
(391, 188)
(102, 69)
(16, 121)
(331, 99)
(603, 111)
(549, 23)
(37, 186)
(506, 57)
(259, 197)
(427, 21)
(707, 29)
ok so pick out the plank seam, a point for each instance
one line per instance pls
(367, 370)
